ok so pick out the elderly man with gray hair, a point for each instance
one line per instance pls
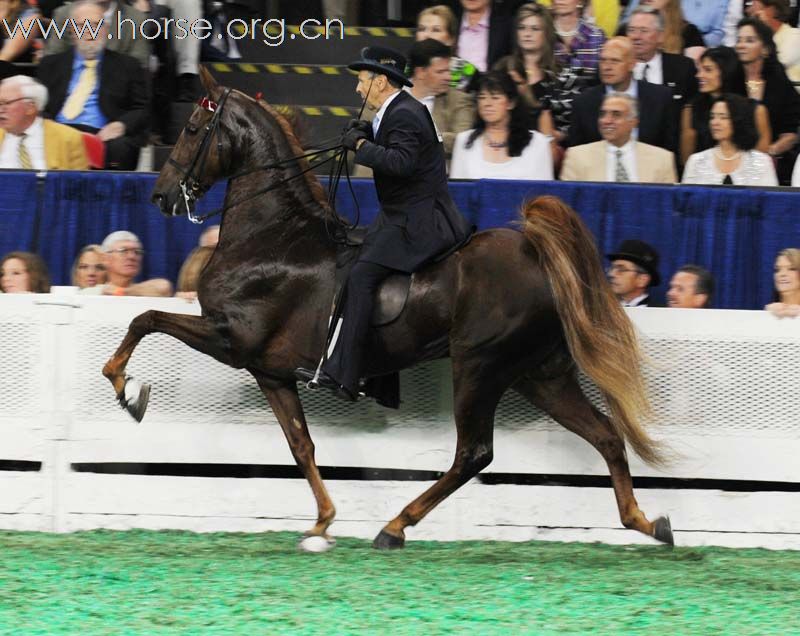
(122, 256)
(29, 142)
(619, 157)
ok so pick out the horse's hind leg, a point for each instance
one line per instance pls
(196, 331)
(477, 391)
(563, 399)
(287, 408)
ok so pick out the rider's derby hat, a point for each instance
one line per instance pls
(384, 61)
(641, 254)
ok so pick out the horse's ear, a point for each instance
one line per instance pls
(209, 83)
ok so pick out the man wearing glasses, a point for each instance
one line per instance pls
(633, 270)
(122, 256)
(28, 142)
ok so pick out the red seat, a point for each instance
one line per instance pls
(95, 150)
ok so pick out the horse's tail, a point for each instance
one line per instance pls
(599, 334)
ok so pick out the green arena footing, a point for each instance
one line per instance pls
(168, 582)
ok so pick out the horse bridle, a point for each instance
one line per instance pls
(192, 188)
(190, 184)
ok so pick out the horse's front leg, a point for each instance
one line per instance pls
(286, 405)
(199, 332)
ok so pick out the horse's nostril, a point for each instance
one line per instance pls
(157, 198)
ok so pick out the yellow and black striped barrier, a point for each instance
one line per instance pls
(352, 31)
(318, 111)
(280, 69)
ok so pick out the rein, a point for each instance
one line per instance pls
(192, 188)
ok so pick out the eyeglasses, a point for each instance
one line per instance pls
(125, 251)
(11, 101)
(96, 268)
(621, 269)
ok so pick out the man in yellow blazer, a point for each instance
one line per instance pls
(29, 142)
(619, 157)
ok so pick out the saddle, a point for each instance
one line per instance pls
(393, 292)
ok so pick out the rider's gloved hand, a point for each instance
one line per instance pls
(351, 138)
(359, 124)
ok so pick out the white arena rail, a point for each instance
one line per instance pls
(725, 387)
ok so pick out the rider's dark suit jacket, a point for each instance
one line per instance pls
(418, 220)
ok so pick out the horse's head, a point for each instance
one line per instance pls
(201, 155)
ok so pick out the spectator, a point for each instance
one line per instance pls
(189, 276)
(709, 16)
(15, 46)
(23, 272)
(440, 23)
(675, 71)
(484, 34)
(733, 159)
(29, 142)
(452, 110)
(657, 121)
(209, 237)
(187, 50)
(767, 83)
(604, 14)
(680, 36)
(88, 270)
(500, 146)
(633, 271)
(719, 72)
(125, 41)
(122, 256)
(775, 14)
(787, 284)
(691, 287)
(111, 102)
(580, 42)
(542, 85)
(619, 157)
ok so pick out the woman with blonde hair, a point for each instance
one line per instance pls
(24, 272)
(787, 284)
(89, 270)
(440, 23)
(192, 268)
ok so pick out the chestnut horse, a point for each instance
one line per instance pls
(512, 309)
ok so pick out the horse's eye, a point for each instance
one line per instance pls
(191, 129)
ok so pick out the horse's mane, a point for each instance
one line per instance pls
(317, 191)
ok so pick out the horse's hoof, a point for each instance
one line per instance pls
(662, 530)
(316, 543)
(136, 398)
(386, 541)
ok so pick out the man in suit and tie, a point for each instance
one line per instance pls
(29, 142)
(676, 72)
(418, 220)
(619, 157)
(99, 91)
(633, 271)
(453, 111)
(657, 124)
(128, 42)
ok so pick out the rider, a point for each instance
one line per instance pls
(418, 220)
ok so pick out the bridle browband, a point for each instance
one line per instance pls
(192, 188)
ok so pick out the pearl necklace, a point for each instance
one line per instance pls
(718, 154)
(567, 34)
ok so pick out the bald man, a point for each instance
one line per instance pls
(657, 120)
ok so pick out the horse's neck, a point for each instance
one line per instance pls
(285, 216)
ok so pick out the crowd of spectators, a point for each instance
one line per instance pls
(643, 91)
